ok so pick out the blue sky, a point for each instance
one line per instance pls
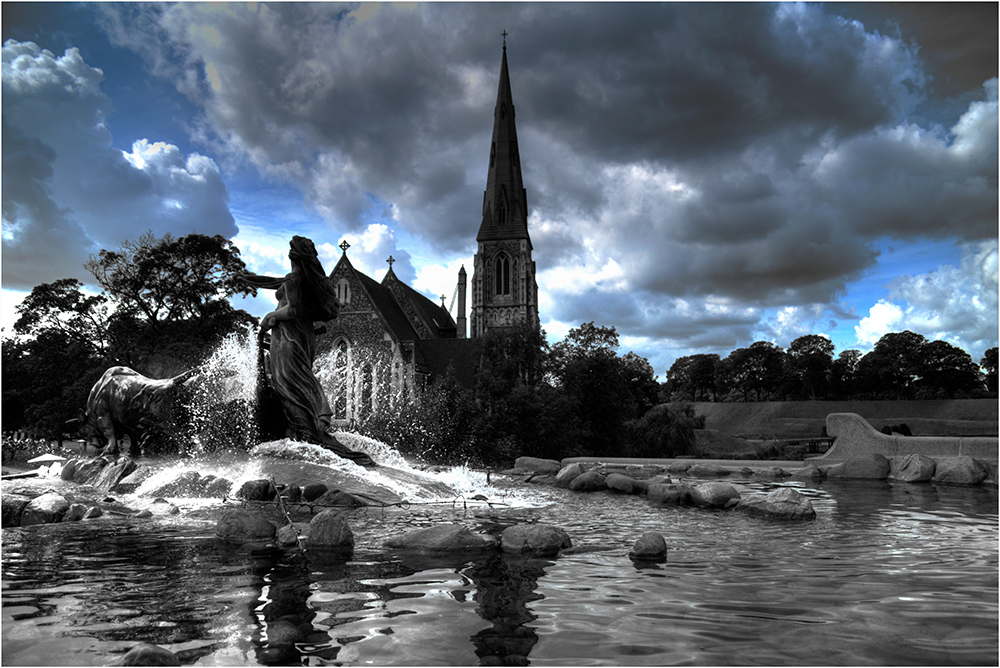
(700, 176)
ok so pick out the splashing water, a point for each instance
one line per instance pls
(223, 405)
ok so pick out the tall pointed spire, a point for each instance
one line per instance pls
(505, 201)
(504, 291)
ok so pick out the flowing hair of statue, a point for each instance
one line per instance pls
(317, 292)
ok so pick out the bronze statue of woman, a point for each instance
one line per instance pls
(306, 295)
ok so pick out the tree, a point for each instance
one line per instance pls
(843, 374)
(694, 377)
(989, 364)
(811, 361)
(171, 298)
(947, 371)
(892, 368)
(605, 391)
(62, 307)
(756, 370)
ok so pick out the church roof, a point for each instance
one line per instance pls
(505, 201)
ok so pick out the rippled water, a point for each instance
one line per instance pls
(887, 574)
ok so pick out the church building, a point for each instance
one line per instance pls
(389, 340)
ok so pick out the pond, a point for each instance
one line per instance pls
(887, 574)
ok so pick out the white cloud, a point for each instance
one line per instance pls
(68, 191)
(957, 304)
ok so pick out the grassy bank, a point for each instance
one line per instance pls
(806, 419)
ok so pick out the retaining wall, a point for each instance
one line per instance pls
(855, 436)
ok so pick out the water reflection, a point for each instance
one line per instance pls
(331, 609)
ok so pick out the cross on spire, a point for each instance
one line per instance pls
(390, 261)
(344, 246)
(504, 33)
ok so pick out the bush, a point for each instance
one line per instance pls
(666, 430)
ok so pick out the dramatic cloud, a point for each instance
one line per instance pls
(698, 175)
(68, 191)
(957, 304)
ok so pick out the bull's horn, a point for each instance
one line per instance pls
(177, 380)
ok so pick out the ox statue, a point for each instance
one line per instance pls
(126, 403)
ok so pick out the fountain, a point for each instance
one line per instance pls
(886, 573)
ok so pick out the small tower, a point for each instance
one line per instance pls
(461, 303)
(504, 292)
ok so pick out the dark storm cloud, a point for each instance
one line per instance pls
(735, 152)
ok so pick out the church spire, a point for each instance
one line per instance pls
(505, 201)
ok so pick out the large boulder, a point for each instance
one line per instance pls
(240, 526)
(651, 546)
(962, 470)
(714, 495)
(46, 508)
(623, 483)
(536, 539)
(257, 490)
(591, 481)
(784, 503)
(678, 494)
(313, 491)
(808, 474)
(912, 468)
(85, 471)
(870, 466)
(13, 505)
(442, 538)
(568, 473)
(328, 530)
(334, 498)
(113, 473)
(536, 465)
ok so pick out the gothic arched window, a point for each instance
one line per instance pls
(501, 271)
(343, 292)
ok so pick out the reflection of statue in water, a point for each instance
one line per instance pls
(306, 295)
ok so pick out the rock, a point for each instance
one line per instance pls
(808, 474)
(292, 493)
(442, 538)
(871, 466)
(238, 525)
(591, 481)
(538, 539)
(912, 468)
(568, 473)
(290, 534)
(678, 467)
(536, 465)
(542, 479)
(12, 507)
(328, 530)
(707, 471)
(143, 514)
(86, 471)
(75, 512)
(714, 495)
(770, 472)
(675, 494)
(314, 491)
(783, 503)
(112, 474)
(146, 654)
(47, 508)
(962, 470)
(650, 547)
(69, 469)
(334, 498)
(93, 512)
(257, 490)
(622, 483)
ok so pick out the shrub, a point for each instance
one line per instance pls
(666, 430)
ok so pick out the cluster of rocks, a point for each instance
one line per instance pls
(27, 505)
(655, 483)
